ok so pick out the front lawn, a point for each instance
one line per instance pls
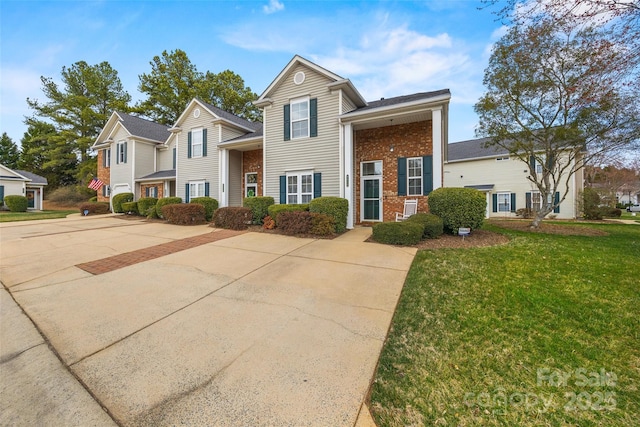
(6, 216)
(541, 331)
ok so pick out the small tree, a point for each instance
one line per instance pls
(9, 154)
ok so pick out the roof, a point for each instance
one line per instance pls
(231, 117)
(481, 187)
(143, 128)
(35, 178)
(388, 102)
(473, 149)
(257, 134)
(169, 173)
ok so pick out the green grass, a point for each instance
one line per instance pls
(474, 327)
(627, 215)
(34, 215)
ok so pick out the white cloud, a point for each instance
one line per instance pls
(273, 7)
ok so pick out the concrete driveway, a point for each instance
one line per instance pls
(254, 329)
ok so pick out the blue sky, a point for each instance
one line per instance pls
(387, 48)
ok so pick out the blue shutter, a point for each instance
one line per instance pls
(206, 189)
(532, 163)
(427, 175)
(174, 158)
(495, 202)
(402, 176)
(527, 200)
(104, 158)
(513, 202)
(125, 152)
(186, 193)
(146, 191)
(204, 142)
(287, 122)
(317, 185)
(117, 154)
(1, 193)
(283, 189)
(189, 145)
(313, 117)
(556, 201)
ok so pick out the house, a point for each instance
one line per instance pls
(503, 179)
(22, 183)
(318, 137)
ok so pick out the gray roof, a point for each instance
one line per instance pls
(232, 117)
(170, 173)
(473, 149)
(144, 128)
(481, 187)
(35, 179)
(257, 134)
(385, 102)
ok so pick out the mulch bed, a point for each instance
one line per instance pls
(574, 229)
(477, 239)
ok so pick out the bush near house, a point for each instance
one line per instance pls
(335, 207)
(16, 203)
(525, 213)
(259, 207)
(609, 212)
(591, 204)
(130, 208)
(322, 225)
(119, 199)
(274, 210)
(458, 207)
(184, 213)
(145, 204)
(210, 205)
(432, 224)
(70, 195)
(94, 208)
(398, 233)
(294, 222)
(164, 202)
(234, 218)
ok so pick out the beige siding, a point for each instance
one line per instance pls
(145, 159)
(121, 173)
(347, 105)
(165, 157)
(235, 178)
(228, 133)
(320, 154)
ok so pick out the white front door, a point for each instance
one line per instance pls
(371, 191)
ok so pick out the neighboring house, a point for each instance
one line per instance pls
(628, 193)
(22, 183)
(503, 179)
(319, 137)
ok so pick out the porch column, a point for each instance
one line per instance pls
(436, 135)
(41, 197)
(223, 168)
(348, 172)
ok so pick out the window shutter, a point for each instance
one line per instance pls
(427, 175)
(287, 122)
(550, 161)
(146, 191)
(317, 185)
(283, 189)
(495, 203)
(186, 192)
(527, 200)
(513, 202)
(174, 158)
(125, 152)
(402, 176)
(206, 189)
(204, 142)
(104, 158)
(313, 117)
(1, 193)
(117, 154)
(189, 145)
(532, 163)
(556, 201)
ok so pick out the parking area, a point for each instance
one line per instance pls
(249, 329)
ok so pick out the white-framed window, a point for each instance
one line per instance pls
(502, 159)
(106, 153)
(196, 189)
(300, 118)
(251, 184)
(299, 187)
(153, 191)
(536, 200)
(121, 152)
(196, 142)
(414, 176)
(106, 191)
(504, 202)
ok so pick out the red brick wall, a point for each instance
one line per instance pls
(408, 140)
(252, 162)
(104, 175)
(159, 185)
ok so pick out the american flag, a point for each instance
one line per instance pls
(95, 184)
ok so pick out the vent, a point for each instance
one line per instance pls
(298, 78)
(196, 113)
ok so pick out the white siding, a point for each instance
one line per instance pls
(145, 162)
(121, 173)
(235, 178)
(347, 105)
(228, 133)
(165, 157)
(13, 188)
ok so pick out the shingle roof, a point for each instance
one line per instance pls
(144, 128)
(231, 117)
(385, 102)
(258, 133)
(170, 173)
(35, 179)
(473, 149)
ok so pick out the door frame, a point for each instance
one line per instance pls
(369, 177)
(33, 199)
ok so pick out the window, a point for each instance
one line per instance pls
(106, 157)
(251, 184)
(502, 159)
(106, 190)
(196, 143)
(414, 176)
(196, 189)
(535, 200)
(121, 152)
(504, 202)
(300, 118)
(299, 188)
(152, 191)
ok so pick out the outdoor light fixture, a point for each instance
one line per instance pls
(391, 148)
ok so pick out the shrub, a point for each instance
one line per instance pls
(16, 203)
(210, 205)
(432, 224)
(295, 222)
(259, 207)
(94, 208)
(184, 213)
(591, 204)
(335, 207)
(164, 202)
(70, 195)
(234, 218)
(398, 233)
(458, 207)
(322, 225)
(525, 213)
(119, 199)
(145, 204)
(268, 223)
(609, 212)
(130, 208)
(274, 210)
(93, 199)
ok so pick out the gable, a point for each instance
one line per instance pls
(6, 173)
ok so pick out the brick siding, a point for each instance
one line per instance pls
(104, 175)
(159, 185)
(252, 162)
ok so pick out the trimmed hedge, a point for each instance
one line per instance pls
(234, 218)
(609, 212)
(398, 233)
(458, 207)
(274, 210)
(295, 222)
(335, 207)
(259, 207)
(119, 199)
(164, 202)
(432, 224)
(322, 225)
(210, 205)
(130, 208)
(16, 203)
(145, 204)
(94, 208)
(184, 213)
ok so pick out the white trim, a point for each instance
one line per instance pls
(195, 130)
(299, 194)
(438, 147)
(223, 186)
(307, 119)
(348, 172)
(421, 177)
(380, 179)
(253, 184)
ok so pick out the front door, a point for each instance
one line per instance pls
(31, 198)
(371, 191)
